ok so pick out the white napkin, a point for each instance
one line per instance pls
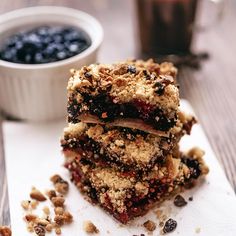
(32, 153)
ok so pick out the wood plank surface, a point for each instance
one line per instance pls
(211, 90)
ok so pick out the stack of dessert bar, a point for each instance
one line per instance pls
(121, 142)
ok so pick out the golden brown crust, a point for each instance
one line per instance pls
(124, 86)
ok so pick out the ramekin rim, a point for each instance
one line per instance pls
(56, 9)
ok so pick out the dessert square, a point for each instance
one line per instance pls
(126, 196)
(123, 148)
(128, 93)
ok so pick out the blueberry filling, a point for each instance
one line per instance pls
(194, 167)
(88, 148)
(73, 110)
(44, 44)
(103, 107)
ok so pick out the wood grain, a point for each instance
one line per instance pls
(211, 90)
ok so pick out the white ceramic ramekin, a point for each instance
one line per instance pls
(38, 92)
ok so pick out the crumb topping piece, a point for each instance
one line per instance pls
(61, 186)
(129, 80)
(37, 195)
(149, 225)
(90, 228)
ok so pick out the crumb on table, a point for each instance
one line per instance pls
(37, 195)
(89, 227)
(149, 225)
(61, 186)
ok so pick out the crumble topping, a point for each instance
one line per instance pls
(127, 81)
(107, 177)
(75, 130)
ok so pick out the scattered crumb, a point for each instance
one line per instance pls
(149, 225)
(161, 224)
(5, 231)
(34, 204)
(37, 195)
(58, 201)
(39, 230)
(30, 217)
(68, 218)
(49, 227)
(51, 194)
(159, 213)
(89, 227)
(190, 198)
(58, 210)
(61, 186)
(46, 210)
(59, 220)
(25, 204)
(58, 231)
(198, 230)
(40, 226)
(30, 227)
(179, 201)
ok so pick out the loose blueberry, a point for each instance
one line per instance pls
(169, 226)
(179, 201)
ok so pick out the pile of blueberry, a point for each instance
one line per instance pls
(44, 44)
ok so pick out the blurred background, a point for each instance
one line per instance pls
(202, 35)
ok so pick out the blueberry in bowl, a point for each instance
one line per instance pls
(44, 44)
(38, 48)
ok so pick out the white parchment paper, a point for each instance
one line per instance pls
(32, 153)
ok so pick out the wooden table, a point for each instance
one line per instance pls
(211, 90)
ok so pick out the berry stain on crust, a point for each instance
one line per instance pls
(106, 110)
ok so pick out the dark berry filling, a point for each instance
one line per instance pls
(137, 205)
(44, 44)
(194, 167)
(89, 151)
(73, 110)
(103, 107)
